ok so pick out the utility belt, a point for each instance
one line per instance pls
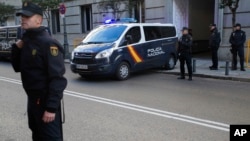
(36, 93)
(39, 97)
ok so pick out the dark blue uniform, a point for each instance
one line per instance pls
(184, 51)
(237, 39)
(41, 64)
(214, 44)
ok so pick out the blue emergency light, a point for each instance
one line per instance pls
(121, 20)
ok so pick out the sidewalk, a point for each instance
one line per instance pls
(202, 70)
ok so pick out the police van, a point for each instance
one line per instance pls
(8, 36)
(121, 48)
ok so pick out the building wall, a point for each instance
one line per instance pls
(193, 13)
(17, 4)
(242, 16)
(154, 11)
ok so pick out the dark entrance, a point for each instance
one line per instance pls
(201, 14)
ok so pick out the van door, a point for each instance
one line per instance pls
(153, 46)
(131, 49)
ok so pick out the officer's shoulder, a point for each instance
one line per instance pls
(190, 37)
(52, 42)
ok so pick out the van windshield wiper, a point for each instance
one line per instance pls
(95, 42)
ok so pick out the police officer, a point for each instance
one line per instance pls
(184, 52)
(39, 58)
(237, 39)
(214, 43)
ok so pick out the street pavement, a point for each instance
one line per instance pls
(149, 106)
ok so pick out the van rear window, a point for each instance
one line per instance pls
(158, 32)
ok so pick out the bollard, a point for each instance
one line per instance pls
(227, 68)
(194, 65)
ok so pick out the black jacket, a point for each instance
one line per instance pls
(41, 64)
(238, 38)
(214, 40)
(185, 44)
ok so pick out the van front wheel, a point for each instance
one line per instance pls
(170, 64)
(123, 71)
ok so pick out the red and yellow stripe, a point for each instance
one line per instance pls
(137, 58)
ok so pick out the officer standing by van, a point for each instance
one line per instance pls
(39, 58)
(184, 52)
(237, 39)
(214, 44)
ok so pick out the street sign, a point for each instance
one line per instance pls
(62, 9)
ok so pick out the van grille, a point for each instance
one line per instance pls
(84, 55)
(84, 61)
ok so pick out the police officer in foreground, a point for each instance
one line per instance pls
(214, 44)
(184, 52)
(237, 39)
(39, 58)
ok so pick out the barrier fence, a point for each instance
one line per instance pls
(248, 54)
(77, 41)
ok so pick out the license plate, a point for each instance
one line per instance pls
(84, 67)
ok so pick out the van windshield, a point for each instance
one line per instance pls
(105, 34)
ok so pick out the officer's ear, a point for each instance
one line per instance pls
(39, 19)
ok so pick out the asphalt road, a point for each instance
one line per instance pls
(147, 107)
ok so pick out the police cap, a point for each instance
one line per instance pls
(29, 9)
(184, 28)
(238, 24)
(212, 25)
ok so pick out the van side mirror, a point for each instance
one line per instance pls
(128, 38)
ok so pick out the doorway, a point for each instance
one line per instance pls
(201, 14)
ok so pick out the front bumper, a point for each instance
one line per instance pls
(97, 69)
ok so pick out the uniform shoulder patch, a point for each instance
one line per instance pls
(54, 50)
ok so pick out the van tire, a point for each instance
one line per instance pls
(170, 64)
(122, 71)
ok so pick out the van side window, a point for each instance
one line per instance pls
(12, 33)
(132, 36)
(168, 31)
(3, 33)
(152, 32)
(158, 32)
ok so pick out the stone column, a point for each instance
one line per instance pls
(168, 10)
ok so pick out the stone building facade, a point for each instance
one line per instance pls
(83, 15)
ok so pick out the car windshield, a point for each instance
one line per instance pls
(105, 34)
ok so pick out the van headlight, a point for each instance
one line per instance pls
(104, 54)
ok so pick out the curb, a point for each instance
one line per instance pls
(66, 61)
(211, 76)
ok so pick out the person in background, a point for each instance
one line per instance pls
(214, 44)
(238, 39)
(184, 52)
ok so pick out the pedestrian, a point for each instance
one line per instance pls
(39, 58)
(184, 52)
(214, 44)
(238, 39)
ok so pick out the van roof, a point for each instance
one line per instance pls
(143, 24)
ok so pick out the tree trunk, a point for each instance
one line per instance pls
(233, 17)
